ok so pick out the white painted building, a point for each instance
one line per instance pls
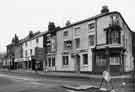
(95, 44)
(29, 50)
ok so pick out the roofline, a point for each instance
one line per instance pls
(80, 22)
(93, 18)
(125, 22)
(42, 33)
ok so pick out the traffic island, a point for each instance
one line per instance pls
(85, 88)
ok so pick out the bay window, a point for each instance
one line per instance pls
(115, 60)
(113, 37)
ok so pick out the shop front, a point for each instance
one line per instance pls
(21, 63)
(111, 59)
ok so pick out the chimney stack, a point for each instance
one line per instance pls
(105, 9)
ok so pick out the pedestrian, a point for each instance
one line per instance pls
(106, 78)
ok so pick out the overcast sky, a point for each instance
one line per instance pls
(20, 16)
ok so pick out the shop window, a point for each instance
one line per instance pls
(100, 60)
(65, 60)
(91, 40)
(77, 43)
(49, 61)
(85, 58)
(115, 60)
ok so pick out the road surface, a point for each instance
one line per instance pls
(17, 83)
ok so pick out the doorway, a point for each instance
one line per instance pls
(78, 63)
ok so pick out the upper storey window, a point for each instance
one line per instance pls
(77, 43)
(77, 31)
(113, 32)
(115, 19)
(65, 33)
(68, 44)
(91, 26)
(26, 44)
(37, 40)
(91, 40)
(113, 37)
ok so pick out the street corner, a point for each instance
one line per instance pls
(86, 88)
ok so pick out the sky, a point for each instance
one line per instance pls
(21, 16)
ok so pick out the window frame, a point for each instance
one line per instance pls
(26, 53)
(37, 40)
(91, 40)
(77, 43)
(77, 31)
(66, 43)
(65, 33)
(84, 58)
(26, 44)
(113, 37)
(101, 60)
(53, 61)
(115, 60)
(31, 52)
(49, 61)
(91, 26)
(65, 59)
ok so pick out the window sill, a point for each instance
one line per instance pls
(85, 65)
(91, 30)
(78, 48)
(65, 66)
